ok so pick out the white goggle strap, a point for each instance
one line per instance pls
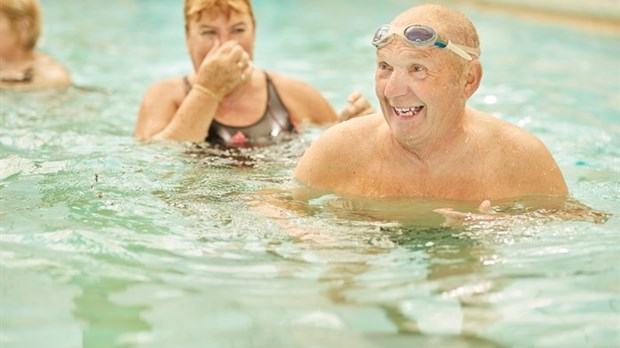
(458, 50)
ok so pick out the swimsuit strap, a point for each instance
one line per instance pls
(276, 109)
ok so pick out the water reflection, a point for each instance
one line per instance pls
(105, 322)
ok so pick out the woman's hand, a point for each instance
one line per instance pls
(357, 105)
(224, 68)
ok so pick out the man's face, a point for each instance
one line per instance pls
(205, 32)
(418, 89)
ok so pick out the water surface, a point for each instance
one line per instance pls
(108, 242)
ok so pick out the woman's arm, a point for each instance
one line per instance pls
(191, 118)
(166, 115)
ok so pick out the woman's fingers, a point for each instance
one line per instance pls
(214, 48)
(354, 97)
(225, 67)
(234, 54)
(357, 105)
(247, 71)
(241, 63)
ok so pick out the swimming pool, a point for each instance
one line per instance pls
(106, 242)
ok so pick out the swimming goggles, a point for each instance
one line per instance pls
(419, 35)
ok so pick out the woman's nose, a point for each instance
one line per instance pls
(224, 37)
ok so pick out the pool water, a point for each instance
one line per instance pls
(108, 242)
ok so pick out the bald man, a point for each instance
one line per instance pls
(426, 142)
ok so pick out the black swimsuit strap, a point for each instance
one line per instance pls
(275, 108)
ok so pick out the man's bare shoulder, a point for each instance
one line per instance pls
(332, 156)
(520, 163)
(504, 136)
(359, 132)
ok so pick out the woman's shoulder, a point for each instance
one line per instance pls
(304, 102)
(48, 72)
(173, 84)
(280, 79)
(170, 89)
(287, 85)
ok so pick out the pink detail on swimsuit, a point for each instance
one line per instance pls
(294, 123)
(239, 139)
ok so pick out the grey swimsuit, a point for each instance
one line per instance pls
(275, 122)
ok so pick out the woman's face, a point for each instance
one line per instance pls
(207, 31)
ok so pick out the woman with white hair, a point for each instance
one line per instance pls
(21, 66)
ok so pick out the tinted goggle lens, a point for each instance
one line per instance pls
(415, 34)
(420, 35)
(380, 35)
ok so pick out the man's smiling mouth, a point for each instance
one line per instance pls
(407, 112)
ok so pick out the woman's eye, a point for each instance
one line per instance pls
(208, 33)
(239, 31)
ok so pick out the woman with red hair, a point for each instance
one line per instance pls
(226, 99)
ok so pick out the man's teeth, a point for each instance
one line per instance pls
(408, 111)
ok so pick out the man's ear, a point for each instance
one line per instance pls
(473, 75)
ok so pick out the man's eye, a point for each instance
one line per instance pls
(383, 66)
(239, 31)
(207, 33)
(419, 71)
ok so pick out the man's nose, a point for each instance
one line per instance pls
(398, 84)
